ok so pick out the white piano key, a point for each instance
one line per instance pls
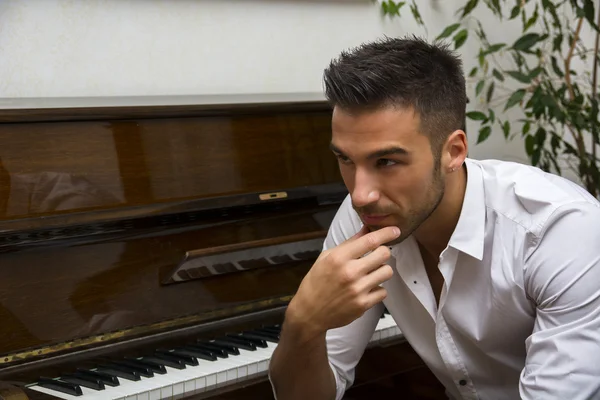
(205, 376)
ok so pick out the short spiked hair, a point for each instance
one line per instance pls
(405, 72)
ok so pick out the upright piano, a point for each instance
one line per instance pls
(150, 245)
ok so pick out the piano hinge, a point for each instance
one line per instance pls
(273, 196)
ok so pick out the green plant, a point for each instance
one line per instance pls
(559, 106)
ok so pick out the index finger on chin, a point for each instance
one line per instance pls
(370, 241)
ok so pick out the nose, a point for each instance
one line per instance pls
(364, 191)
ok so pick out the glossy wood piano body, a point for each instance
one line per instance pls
(130, 227)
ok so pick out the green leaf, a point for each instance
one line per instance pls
(448, 31)
(391, 7)
(518, 57)
(569, 149)
(521, 77)
(549, 6)
(529, 144)
(531, 21)
(515, 98)
(479, 87)
(490, 92)
(526, 128)
(540, 137)
(557, 42)
(535, 72)
(535, 157)
(476, 116)
(414, 9)
(469, 7)
(588, 10)
(498, 75)
(493, 48)
(473, 72)
(527, 41)
(484, 133)
(515, 12)
(555, 143)
(495, 7)
(492, 116)
(460, 38)
(481, 31)
(506, 129)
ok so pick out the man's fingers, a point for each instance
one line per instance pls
(362, 232)
(373, 260)
(375, 296)
(372, 280)
(370, 241)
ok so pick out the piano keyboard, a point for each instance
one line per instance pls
(192, 369)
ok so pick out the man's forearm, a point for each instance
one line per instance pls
(300, 369)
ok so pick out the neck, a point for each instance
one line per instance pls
(434, 234)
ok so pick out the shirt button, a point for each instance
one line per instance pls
(462, 382)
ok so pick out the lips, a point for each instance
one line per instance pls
(372, 219)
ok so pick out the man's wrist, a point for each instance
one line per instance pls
(298, 328)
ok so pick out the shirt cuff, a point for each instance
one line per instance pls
(340, 384)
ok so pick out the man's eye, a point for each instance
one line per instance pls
(343, 159)
(385, 162)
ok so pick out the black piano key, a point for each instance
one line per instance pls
(143, 370)
(218, 349)
(107, 379)
(186, 358)
(274, 335)
(257, 342)
(167, 361)
(197, 353)
(267, 337)
(126, 373)
(271, 329)
(284, 258)
(60, 386)
(155, 367)
(216, 353)
(85, 381)
(307, 255)
(240, 343)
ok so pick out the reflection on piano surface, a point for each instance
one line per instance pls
(149, 246)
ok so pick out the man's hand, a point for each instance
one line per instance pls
(342, 284)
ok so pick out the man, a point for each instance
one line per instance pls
(490, 269)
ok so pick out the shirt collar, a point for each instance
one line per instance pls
(468, 236)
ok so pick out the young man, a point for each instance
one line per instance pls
(490, 269)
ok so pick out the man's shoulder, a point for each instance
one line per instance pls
(530, 196)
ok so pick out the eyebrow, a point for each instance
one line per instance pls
(388, 151)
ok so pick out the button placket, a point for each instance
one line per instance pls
(452, 360)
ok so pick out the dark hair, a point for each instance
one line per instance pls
(405, 72)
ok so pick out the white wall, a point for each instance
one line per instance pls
(156, 47)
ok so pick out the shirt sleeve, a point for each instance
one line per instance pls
(562, 278)
(346, 345)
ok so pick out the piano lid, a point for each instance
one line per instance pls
(21, 109)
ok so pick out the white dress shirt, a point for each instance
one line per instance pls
(519, 313)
